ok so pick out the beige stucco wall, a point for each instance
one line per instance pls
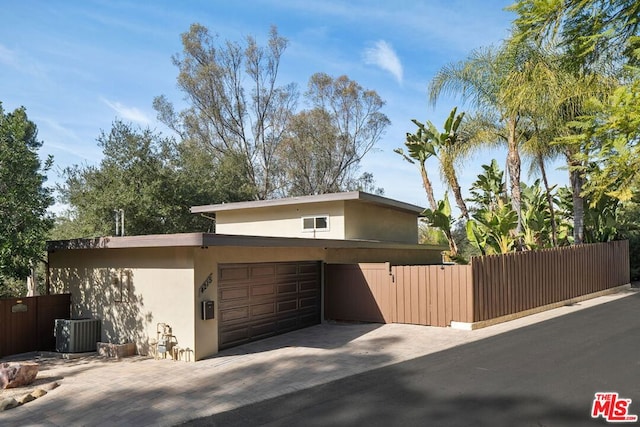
(168, 285)
(282, 221)
(161, 289)
(350, 220)
(373, 222)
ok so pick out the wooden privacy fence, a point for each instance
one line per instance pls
(507, 284)
(26, 324)
(490, 287)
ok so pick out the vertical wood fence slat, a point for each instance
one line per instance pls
(26, 324)
(539, 278)
(490, 287)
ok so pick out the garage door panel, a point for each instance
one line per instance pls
(262, 330)
(235, 335)
(260, 300)
(287, 288)
(235, 314)
(287, 306)
(233, 293)
(233, 273)
(288, 324)
(262, 270)
(308, 285)
(307, 269)
(286, 269)
(308, 302)
(266, 309)
(263, 290)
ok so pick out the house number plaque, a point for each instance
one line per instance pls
(206, 283)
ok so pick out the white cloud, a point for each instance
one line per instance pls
(128, 113)
(382, 55)
(21, 62)
(8, 56)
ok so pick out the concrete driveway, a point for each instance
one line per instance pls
(141, 391)
(545, 374)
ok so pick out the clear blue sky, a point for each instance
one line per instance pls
(78, 65)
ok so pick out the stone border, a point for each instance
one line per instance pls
(11, 402)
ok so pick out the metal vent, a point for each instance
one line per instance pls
(77, 335)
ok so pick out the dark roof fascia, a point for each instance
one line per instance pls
(352, 195)
(209, 239)
(114, 242)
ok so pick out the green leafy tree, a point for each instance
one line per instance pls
(614, 133)
(603, 219)
(24, 199)
(323, 146)
(590, 31)
(441, 219)
(491, 228)
(628, 229)
(491, 231)
(541, 228)
(152, 179)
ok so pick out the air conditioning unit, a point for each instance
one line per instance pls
(77, 335)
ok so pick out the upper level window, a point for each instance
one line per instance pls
(315, 223)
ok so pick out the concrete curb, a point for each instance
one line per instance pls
(471, 326)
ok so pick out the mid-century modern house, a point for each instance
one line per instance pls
(259, 274)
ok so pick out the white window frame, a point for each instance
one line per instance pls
(314, 229)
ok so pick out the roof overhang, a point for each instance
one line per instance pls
(209, 239)
(359, 196)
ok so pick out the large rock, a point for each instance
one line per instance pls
(17, 374)
(9, 403)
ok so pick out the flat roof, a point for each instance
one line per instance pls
(210, 239)
(331, 197)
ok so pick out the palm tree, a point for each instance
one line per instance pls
(420, 148)
(448, 146)
(534, 93)
(481, 80)
(556, 97)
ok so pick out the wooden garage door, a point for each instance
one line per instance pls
(260, 300)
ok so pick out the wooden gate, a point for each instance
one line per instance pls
(421, 295)
(26, 324)
(433, 294)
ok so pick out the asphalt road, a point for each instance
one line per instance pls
(540, 375)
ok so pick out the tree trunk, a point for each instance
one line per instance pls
(554, 230)
(453, 247)
(457, 193)
(576, 178)
(428, 187)
(513, 163)
(450, 174)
